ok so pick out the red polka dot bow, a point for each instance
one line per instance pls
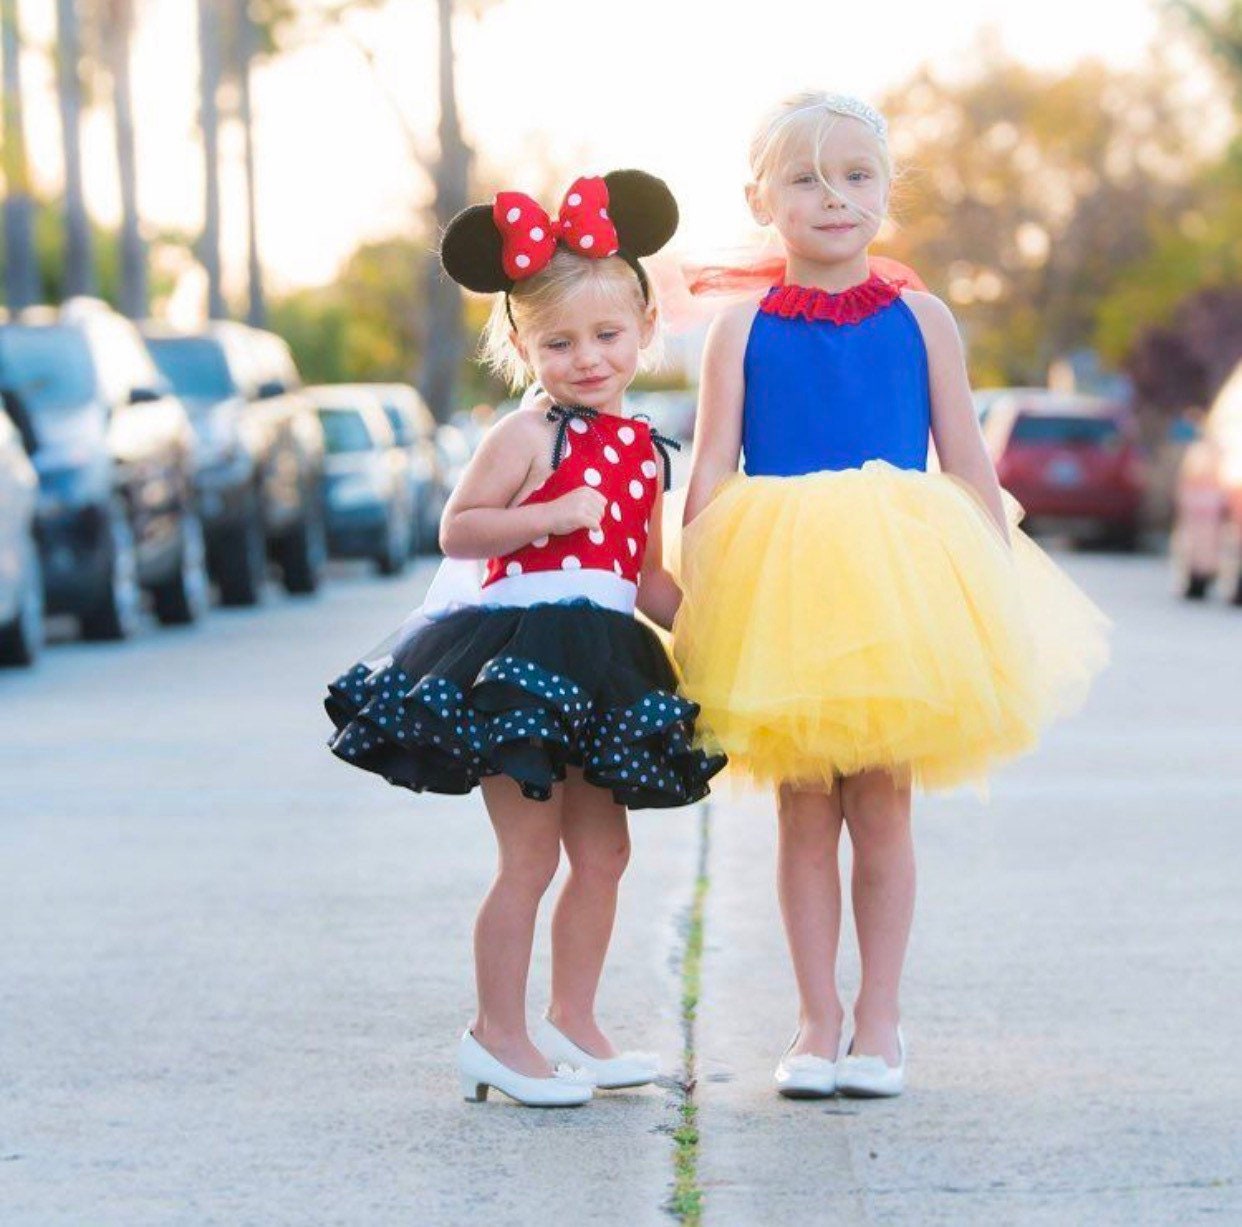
(529, 236)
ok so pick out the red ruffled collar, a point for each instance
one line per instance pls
(846, 307)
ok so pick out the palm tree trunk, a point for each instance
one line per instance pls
(79, 259)
(444, 342)
(256, 312)
(21, 274)
(209, 119)
(134, 294)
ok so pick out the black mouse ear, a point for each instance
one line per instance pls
(642, 209)
(471, 251)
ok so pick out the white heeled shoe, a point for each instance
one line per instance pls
(610, 1073)
(867, 1077)
(805, 1076)
(479, 1070)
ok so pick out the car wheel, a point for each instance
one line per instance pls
(21, 640)
(241, 561)
(118, 611)
(303, 553)
(184, 598)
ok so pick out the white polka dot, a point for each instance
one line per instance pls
(636, 489)
(578, 426)
(522, 261)
(616, 566)
(570, 563)
(513, 214)
(632, 544)
(592, 477)
(574, 199)
(587, 240)
(540, 542)
(567, 451)
(615, 511)
(537, 234)
(603, 212)
(597, 535)
(612, 455)
(649, 468)
(646, 526)
(626, 434)
(514, 568)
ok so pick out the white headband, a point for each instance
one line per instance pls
(855, 108)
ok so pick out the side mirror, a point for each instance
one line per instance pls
(144, 396)
(269, 388)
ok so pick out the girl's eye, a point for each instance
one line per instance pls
(801, 179)
(610, 335)
(859, 174)
(557, 345)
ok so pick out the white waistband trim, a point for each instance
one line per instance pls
(534, 587)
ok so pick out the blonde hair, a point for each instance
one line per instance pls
(535, 301)
(801, 122)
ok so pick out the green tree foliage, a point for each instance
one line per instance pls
(1022, 192)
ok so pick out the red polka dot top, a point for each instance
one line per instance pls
(622, 458)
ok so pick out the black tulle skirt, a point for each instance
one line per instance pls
(526, 692)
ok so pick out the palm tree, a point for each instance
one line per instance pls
(445, 345)
(117, 34)
(21, 275)
(209, 120)
(79, 261)
(245, 39)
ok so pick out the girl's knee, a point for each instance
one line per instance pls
(530, 869)
(602, 862)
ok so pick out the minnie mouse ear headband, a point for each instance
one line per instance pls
(628, 213)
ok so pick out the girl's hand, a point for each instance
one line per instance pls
(580, 508)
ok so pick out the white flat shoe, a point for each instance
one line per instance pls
(805, 1076)
(865, 1077)
(479, 1071)
(610, 1073)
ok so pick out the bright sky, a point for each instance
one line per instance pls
(673, 86)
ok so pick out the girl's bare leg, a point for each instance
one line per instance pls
(595, 833)
(528, 838)
(809, 887)
(877, 813)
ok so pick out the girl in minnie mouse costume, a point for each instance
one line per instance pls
(538, 683)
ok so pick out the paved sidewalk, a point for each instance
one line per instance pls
(1071, 1006)
(234, 970)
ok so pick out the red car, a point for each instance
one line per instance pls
(1074, 463)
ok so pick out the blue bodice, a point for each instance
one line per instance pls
(822, 395)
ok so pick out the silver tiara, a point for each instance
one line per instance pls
(847, 104)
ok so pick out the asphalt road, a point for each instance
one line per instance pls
(233, 970)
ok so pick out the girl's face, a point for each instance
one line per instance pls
(826, 213)
(586, 353)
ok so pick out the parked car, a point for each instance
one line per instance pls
(671, 411)
(985, 398)
(1206, 542)
(259, 455)
(414, 427)
(114, 450)
(21, 576)
(367, 489)
(1074, 462)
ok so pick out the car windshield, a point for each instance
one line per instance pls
(345, 431)
(48, 367)
(1064, 428)
(398, 425)
(195, 366)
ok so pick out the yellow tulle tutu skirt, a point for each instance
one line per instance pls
(875, 618)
